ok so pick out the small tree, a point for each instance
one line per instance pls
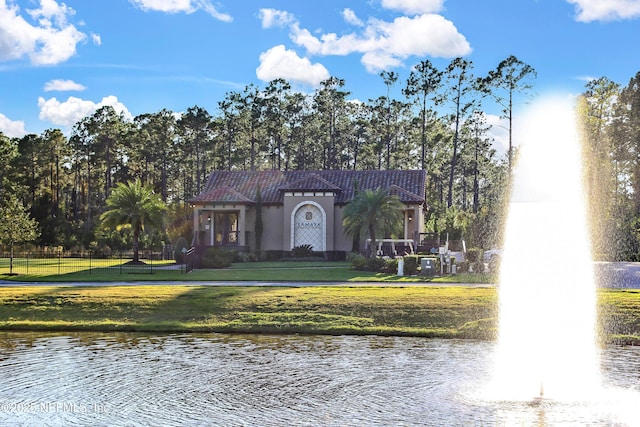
(133, 205)
(16, 225)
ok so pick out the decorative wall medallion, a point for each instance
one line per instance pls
(308, 216)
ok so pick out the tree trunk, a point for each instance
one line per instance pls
(136, 237)
(454, 159)
(372, 247)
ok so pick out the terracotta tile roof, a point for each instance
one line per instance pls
(408, 185)
(404, 195)
(222, 194)
(312, 182)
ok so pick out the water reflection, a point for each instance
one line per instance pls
(129, 379)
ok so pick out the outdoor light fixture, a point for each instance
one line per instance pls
(410, 217)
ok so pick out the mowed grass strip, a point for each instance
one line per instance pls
(448, 312)
(84, 270)
(444, 312)
(110, 270)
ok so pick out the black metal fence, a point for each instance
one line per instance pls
(61, 263)
(190, 260)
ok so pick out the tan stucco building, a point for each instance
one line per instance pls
(298, 207)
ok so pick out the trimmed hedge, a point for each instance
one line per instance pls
(218, 258)
(475, 256)
(411, 264)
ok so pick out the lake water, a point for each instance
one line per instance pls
(237, 380)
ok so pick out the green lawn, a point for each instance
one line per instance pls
(82, 270)
(442, 312)
(450, 312)
(43, 268)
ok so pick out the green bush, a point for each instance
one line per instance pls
(390, 266)
(217, 258)
(375, 264)
(246, 256)
(275, 255)
(358, 262)
(302, 251)
(475, 256)
(181, 243)
(411, 263)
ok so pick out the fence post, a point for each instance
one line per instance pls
(90, 252)
(27, 262)
(59, 261)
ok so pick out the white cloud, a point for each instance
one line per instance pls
(414, 6)
(181, 6)
(350, 18)
(11, 128)
(376, 61)
(275, 18)
(71, 111)
(585, 79)
(606, 10)
(49, 40)
(97, 40)
(384, 44)
(62, 85)
(278, 62)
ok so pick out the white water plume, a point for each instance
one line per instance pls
(547, 294)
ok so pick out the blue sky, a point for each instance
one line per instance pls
(60, 61)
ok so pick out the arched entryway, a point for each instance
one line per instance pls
(309, 226)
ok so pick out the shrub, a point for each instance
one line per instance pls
(246, 256)
(474, 254)
(390, 266)
(358, 262)
(411, 263)
(335, 255)
(302, 251)
(181, 243)
(375, 264)
(217, 258)
(274, 255)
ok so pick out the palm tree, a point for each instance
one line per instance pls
(374, 211)
(133, 205)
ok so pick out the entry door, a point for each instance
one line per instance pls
(226, 228)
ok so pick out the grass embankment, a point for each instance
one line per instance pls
(449, 312)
